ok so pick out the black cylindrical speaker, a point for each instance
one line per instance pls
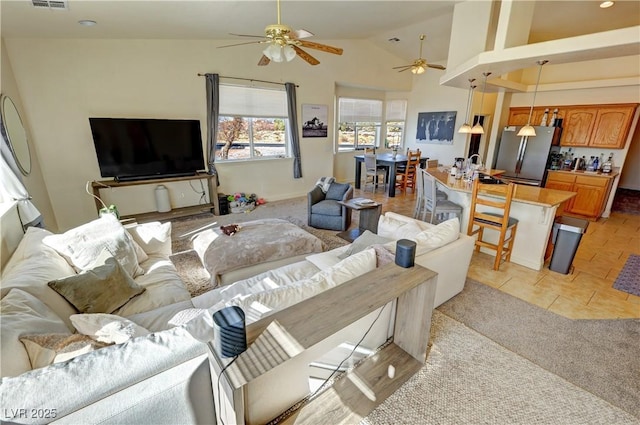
(229, 336)
(405, 253)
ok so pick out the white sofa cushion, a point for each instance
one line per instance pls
(107, 328)
(82, 245)
(32, 266)
(23, 314)
(434, 237)
(362, 242)
(163, 287)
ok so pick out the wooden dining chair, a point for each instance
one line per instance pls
(498, 197)
(408, 178)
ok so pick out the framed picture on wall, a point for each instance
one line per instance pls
(436, 127)
(314, 120)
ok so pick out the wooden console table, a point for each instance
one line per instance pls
(212, 184)
(281, 345)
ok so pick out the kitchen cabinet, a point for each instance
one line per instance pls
(520, 115)
(592, 192)
(597, 126)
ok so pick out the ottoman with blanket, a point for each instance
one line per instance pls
(257, 246)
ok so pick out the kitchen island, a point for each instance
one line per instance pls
(534, 207)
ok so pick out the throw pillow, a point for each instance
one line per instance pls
(336, 191)
(100, 290)
(362, 242)
(47, 349)
(21, 314)
(434, 237)
(80, 246)
(389, 227)
(107, 328)
(383, 255)
(153, 237)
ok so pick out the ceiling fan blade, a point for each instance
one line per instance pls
(241, 44)
(246, 35)
(321, 47)
(264, 61)
(436, 66)
(406, 69)
(306, 56)
(302, 33)
(403, 66)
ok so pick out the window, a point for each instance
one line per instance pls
(395, 116)
(253, 124)
(359, 123)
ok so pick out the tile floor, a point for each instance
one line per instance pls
(586, 293)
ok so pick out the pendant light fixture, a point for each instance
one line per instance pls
(466, 128)
(477, 129)
(528, 130)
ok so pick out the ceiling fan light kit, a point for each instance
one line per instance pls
(284, 44)
(528, 130)
(420, 65)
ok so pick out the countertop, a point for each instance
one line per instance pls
(612, 174)
(524, 193)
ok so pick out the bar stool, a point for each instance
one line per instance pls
(440, 195)
(438, 210)
(497, 196)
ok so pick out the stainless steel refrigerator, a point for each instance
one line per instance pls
(527, 159)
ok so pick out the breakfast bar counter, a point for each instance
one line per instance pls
(534, 207)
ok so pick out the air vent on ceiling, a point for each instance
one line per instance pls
(50, 4)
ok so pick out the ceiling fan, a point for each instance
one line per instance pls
(284, 44)
(419, 65)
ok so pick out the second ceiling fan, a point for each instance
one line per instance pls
(419, 65)
(284, 44)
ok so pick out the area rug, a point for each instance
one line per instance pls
(626, 201)
(629, 278)
(469, 379)
(600, 356)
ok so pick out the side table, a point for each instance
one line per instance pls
(368, 219)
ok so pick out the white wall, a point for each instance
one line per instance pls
(34, 182)
(64, 82)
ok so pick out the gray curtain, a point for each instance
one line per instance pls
(293, 129)
(213, 110)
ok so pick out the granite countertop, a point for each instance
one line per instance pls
(612, 174)
(526, 194)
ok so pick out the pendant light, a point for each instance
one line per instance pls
(477, 129)
(528, 130)
(466, 128)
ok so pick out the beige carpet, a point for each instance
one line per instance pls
(469, 379)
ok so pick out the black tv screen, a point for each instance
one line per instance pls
(130, 148)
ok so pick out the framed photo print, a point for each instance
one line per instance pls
(314, 120)
(436, 127)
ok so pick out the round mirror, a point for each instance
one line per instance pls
(14, 133)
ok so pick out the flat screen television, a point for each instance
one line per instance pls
(142, 148)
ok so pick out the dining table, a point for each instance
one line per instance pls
(390, 161)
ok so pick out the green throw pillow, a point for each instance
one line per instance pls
(103, 289)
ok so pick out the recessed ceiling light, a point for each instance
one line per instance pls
(606, 4)
(87, 22)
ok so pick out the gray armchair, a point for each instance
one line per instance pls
(323, 209)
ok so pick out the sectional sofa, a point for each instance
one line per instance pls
(139, 357)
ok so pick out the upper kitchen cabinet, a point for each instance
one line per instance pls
(597, 126)
(578, 126)
(520, 115)
(612, 126)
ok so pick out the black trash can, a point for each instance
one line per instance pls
(567, 232)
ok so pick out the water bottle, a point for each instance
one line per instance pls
(596, 162)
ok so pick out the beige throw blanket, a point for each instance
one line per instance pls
(256, 242)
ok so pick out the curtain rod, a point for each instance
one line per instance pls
(248, 79)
